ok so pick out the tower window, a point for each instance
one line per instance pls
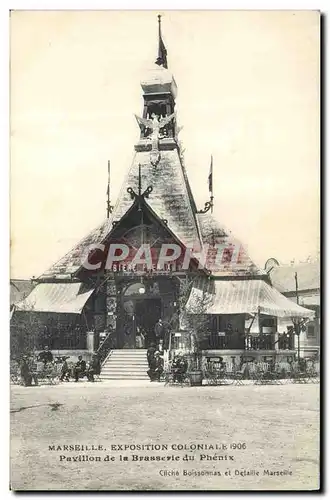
(157, 109)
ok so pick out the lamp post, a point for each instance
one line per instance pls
(297, 332)
(297, 324)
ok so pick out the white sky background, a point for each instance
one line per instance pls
(248, 92)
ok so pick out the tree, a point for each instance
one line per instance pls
(194, 297)
(24, 333)
(27, 332)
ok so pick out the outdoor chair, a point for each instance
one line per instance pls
(253, 372)
(263, 374)
(14, 373)
(240, 375)
(45, 373)
(283, 372)
(299, 376)
(168, 377)
(312, 372)
(213, 373)
(316, 371)
(229, 372)
(267, 375)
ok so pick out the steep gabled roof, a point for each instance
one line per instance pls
(171, 197)
(72, 260)
(171, 200)
(238, 263)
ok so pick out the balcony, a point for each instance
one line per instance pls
(263, 342)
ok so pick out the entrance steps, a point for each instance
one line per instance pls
(126, 364)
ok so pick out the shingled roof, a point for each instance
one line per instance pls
(213, 234)
(170, 199)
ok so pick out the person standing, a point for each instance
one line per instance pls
(94, 368)
(140, 338)
(151, 353)
(160, 333)
(65, 370)
(26, 375)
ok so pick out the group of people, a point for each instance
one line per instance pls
(179, 365)
(28, 373)
(80, 369)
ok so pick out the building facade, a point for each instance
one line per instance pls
(158, 256)
(300, 283)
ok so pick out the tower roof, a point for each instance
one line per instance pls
(159, 80)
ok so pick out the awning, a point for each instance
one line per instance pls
(56, 298)
(242, 297)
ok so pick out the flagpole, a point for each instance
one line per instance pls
(211, 184)
(108, 192)
(162, 52)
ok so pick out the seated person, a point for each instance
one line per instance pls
(65, 370)
(94, 368)
(179, 368)
(151, 353)
(79, 369)
(45, 356)
(156, 367)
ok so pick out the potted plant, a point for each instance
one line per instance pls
(195, 371)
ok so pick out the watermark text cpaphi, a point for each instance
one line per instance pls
(167, 257)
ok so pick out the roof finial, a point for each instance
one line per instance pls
(109, 206)
(162, 52)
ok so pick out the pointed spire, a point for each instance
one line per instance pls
(162, 52)
(109, 206)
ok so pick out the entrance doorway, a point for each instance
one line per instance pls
(139, 317)
(147, 313)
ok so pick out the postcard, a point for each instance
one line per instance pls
(165, 250)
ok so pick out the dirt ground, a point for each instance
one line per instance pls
(254, 428)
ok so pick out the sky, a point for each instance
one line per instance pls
(248, 93)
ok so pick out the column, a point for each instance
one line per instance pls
(111, 304)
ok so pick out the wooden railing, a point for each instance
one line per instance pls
(104, 348)
(248, 342)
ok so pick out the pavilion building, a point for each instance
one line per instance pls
(76, 304)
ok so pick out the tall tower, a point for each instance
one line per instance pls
(159, 93)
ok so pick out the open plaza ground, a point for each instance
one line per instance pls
(255, 428)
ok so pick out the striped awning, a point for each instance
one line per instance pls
(56, 298)
(242, 297)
